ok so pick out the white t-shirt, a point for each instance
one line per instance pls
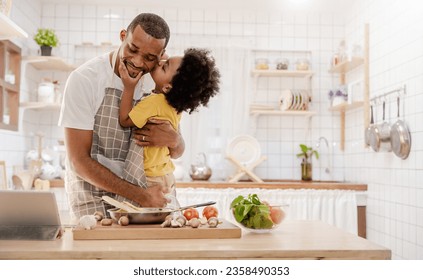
(84, 92)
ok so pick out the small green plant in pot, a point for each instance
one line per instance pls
(306, 164)
(46, 39)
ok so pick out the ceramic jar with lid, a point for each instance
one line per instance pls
(302, 64)
(262, 64)
(282, 63)
(46, 92)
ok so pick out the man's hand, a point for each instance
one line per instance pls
(153, 196)
(160, 133)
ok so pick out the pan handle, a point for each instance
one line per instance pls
(196, 205)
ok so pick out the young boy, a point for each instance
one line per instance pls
(181, 84)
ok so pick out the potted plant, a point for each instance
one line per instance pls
(46, 39)
(306, 164)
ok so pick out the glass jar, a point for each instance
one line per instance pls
(282, 64)
(262, 64)
(302, 64)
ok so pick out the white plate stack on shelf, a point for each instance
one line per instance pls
(294, 99)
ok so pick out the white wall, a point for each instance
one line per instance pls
(395, 211)
(395, 203)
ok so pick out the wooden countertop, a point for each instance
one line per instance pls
(286, 184)
(293, 240)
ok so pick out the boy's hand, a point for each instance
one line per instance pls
(128, 82)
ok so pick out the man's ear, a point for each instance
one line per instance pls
(167, 88)
(122, 34)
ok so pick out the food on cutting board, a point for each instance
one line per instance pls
(253, 213)
(123, 221)
(190, 217)
(191, 213)
(106, 222)
(88, 222)
(210, 211)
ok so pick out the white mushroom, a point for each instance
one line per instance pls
(123, 221)
(203, 220)
(106, 222)
(166, 223)
(88, 222)
(194, 222)
(181, 219)
(213, 221)
(98, 215)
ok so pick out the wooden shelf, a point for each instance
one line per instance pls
(346, 106)
(49, 63)
(343, 68)
(92, 46)
(8, 86)
(39, 105)
(9, 29)
(282, 73)
(10, 62)
(347, 66)
(282, 113)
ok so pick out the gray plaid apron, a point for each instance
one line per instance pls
(111, 146)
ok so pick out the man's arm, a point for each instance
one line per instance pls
(160, 133)
(78, 146)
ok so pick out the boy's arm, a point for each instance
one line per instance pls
(129, 85)
(126, 107)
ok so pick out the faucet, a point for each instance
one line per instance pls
(327, 169)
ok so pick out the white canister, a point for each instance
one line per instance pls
(46, 92)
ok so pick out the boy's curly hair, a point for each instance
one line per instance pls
(196, 80)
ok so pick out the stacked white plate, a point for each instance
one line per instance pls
(294, 99)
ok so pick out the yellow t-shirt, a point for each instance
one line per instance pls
(156, 159)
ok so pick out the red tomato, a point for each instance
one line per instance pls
(191, 213)
(210, 211)
(277, 215)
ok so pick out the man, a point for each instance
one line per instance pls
(96, 144)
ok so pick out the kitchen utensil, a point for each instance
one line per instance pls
(118, 204)
(400, 136)
(369, 128)
(146, 215)
(380, 136)
(244, 148)
(200, 170)
(244, 151)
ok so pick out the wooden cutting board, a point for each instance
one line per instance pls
(154, 231)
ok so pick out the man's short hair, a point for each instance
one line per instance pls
(152, 24)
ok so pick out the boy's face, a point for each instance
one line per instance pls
(164, 72)
(140, 51)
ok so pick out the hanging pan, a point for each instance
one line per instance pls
(369, 128)
(380, 135)
(400, 137)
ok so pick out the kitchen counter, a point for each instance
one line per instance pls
(276, 184)
(293, 240)
(284, 185)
